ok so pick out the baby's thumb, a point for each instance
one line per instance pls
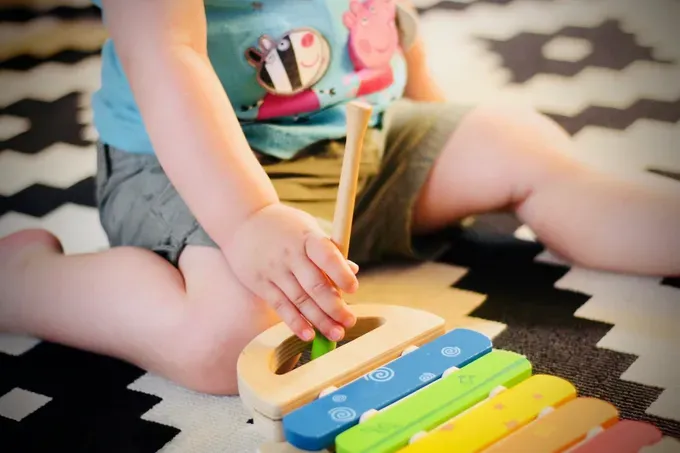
(354, 266)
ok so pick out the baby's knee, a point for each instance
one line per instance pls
(509, 118)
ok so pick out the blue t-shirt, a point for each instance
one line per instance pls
(288, 68)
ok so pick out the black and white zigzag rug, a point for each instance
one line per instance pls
(607, 70)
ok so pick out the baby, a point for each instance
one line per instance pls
(221, 126)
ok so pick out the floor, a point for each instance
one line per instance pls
(607, 70)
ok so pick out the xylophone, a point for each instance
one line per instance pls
(403, 383)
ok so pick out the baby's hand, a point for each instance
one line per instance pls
(283, 256)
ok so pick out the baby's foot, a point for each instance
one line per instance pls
(16, 249)
(17, 252)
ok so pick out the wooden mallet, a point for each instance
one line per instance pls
(358, 117)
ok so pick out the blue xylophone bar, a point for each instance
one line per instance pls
(314, 426)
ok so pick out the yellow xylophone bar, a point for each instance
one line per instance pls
(497, 417)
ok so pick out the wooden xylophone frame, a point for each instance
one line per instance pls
(270, 388)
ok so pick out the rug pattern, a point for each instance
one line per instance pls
(606, 70)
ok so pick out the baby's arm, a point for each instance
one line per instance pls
(420, 86)
(279, 253)
(192, 125)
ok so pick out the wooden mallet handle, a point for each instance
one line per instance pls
(358, 117)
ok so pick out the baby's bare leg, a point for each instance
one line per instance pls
(188, 325)
(502, 157)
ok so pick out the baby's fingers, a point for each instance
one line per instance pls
(302, 299)
(317, 285)
(328, 258)
(288, 313)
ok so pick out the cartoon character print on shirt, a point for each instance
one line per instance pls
(373, 41)
(287, 69)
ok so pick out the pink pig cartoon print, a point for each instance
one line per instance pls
(373, 32)
(373, 41)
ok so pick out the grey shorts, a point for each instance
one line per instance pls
(140, 207)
